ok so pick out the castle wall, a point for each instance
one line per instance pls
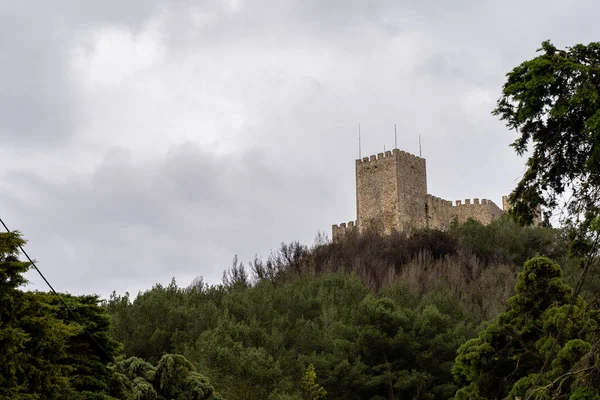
(439, 213)
(342, 229)
(412, 191)
(485, 211)
(377, 192)
(442, 212)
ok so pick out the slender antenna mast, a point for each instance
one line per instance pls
(395, 138)
(359, 152)
(420, 155)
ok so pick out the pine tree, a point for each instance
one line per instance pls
(311, 390)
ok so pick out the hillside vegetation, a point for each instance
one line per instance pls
(370, 317)
(377, 317)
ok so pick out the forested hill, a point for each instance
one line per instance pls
(370, 317)
(377, 317)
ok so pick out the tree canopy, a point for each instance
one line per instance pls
(505, 359)
(553, 101)
(46, 351)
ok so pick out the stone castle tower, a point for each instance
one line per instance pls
(391, 194)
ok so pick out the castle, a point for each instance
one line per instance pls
(391, 194)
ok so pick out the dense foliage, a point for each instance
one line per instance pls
(553, 101)
(53, 349)
(376, 316)
(506, 358)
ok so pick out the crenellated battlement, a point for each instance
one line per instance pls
(342, 229)
(343, 225)
(387, 154)
(438, 201)
(434, 200)
(474, 202)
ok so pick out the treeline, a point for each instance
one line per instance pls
(379, 317)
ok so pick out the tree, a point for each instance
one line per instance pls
(45, 349)
(32, 341)
(310, 388)
(133, 379)
(89, 358)
(176, 378)
(391, 352)
(505, 359)
(553, 101)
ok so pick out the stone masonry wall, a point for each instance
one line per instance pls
(412, 191)
(377, 192)
(484, 212)
(342, 229)
(391, 190)
(441, 212)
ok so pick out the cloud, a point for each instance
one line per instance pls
(36, 96)
(128, 223)
(148, 139)
(39, 99)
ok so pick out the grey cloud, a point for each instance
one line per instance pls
(347, 24)
(452, 66)
(39, 99)
(36, 97)
(186, 215)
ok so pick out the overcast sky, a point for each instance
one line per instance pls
(143, 140)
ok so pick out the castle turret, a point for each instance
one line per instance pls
(391, 190)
